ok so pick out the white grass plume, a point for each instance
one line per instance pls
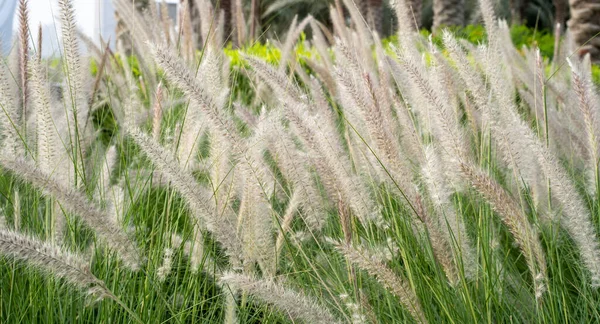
(513, 216)
(449, 220)
(299, 307)
(48, 139)
(325, 148)
(10, 122)
(75, 202)
(394, 283)
(590, 109)
(177, 72)
(199, 200)
(53, 260)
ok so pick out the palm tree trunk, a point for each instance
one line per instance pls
(448, 13)
(254, 19)
(585, 26)
(561, 8)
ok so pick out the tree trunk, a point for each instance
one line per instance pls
(584, 25)
(254, 19)
(516, 11)
(448, 13)
(227, 7)
(560, 12)
(196, 23)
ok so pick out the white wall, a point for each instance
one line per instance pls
(95, 18)
(46, 12)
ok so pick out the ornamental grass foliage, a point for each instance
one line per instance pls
(332, 178)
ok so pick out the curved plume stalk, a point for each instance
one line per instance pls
(516, 220)
(449, 220)
(98, 220)
(48, 140)
(256, 216)
(299, 307)
(396, 284)
(177, 72)
(54, 260)
(199, 200)
(325, 148)
(590, 109)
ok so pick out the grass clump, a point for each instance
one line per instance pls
(325, 179)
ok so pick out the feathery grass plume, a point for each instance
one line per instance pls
(449, 220)
(213, 75)
(207, 16)
(361, 33)
(23, 13)
(394, 283)
(189, 137)
(72, 57)
(290, 41)
(294, 166)
(333, 166)
(589, 107)
(178, 73)
(445, 126)
(165, 269)
(230, 307)
(277, 80)
(48, 139)
(256, 225)
(10, 120)
(513, 216)
(320, 43)
(75, 202)
(157, 112)
(574, 216)
(51, 154)
(489, 20)
(369, 102)
(336, 14)
(255, 219)
(197, 251)
(187, 31)
(76, 105)
(54, 260)
(326, 150)
(406, 28)
(299, 307)
(288, 217)
(166, 22)
(440, 246)
(198, 199)
(39, 42)
(473, 79)
(108, 165)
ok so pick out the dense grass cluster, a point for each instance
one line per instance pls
(364, 182)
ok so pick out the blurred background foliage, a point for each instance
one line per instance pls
(277, 14)
(533, 20)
